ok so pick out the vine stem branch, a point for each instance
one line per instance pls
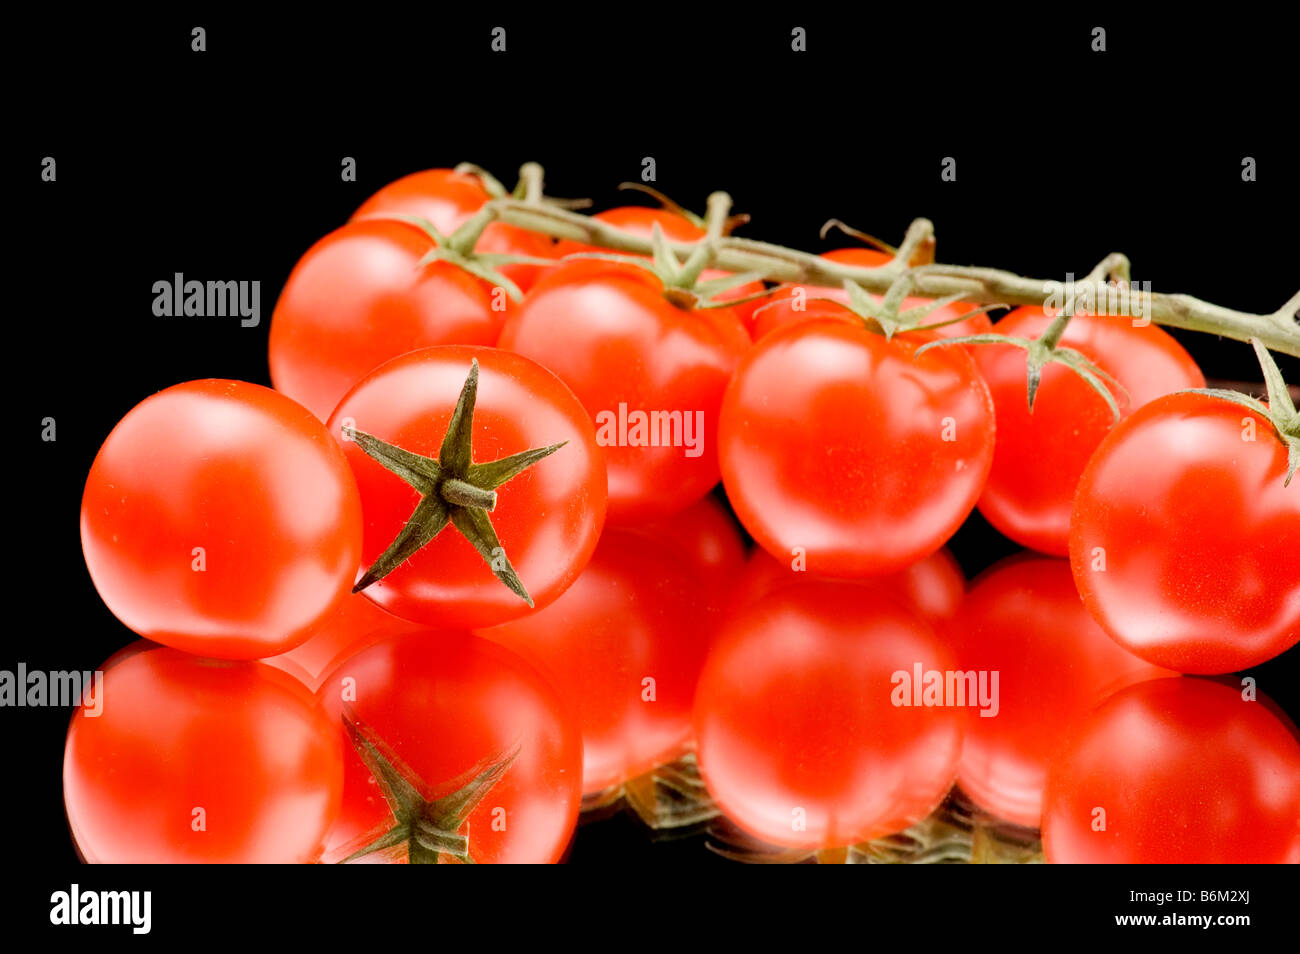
(1279, 331)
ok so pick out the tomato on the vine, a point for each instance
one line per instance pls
(457, 751)
(1185, 539)
(361, 296)
(853, 448)
(196, 760)
(1176, 771)
(808, 731)
(1041, 453)
(448, 199)
(650, 374)
(624, 644)
(220, 518)
(1023, 620)
(433, 550)
(706, 539)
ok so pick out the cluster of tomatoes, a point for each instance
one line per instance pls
(465, 565)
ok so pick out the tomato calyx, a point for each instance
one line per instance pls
(458, 249)
(453, 490)
(429, 827)
(888, 317)
(1280, 411)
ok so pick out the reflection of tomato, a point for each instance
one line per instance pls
(1040, 455)
(793, 303)
(447, 199)
(639, 220)
(1176, 771)
(221, 519)
(853, 448)
(707, 542)
(359, 297)
(608, 332)
(624, 645)
(800, 742)
(547, 519)
(444, 709)
(359, 621)
(200, 760)
(1023, 620)
(932, 586)
(1184, 540)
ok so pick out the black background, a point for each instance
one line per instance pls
(225, 164)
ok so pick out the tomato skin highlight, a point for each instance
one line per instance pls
(606, 330)
(1186, 771)
(1041, 455)
(833, 440)
(1198, 537)
(795, 722)
(445, 703)
(358, 298)
(447, 199)
(547, 519)
(1023, 619)
(219, 518)
(246, 744)
(635, 613)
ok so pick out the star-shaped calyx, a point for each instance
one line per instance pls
(429, 827)
(453, 489)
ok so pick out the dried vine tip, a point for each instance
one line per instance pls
(453, 490)
(858, 234)
(429, 828)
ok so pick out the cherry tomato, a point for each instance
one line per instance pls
(800, 741)
(360, 297)
(487, 758)
(1023, 620)
(836, 441)
(219, 518)
(547, 519)
(358, 622)
(706, 540)
(1184, 542)
(793, 303)
(447, 199)
(639, 220)
(650, 374)
(932, 586)
(1176, 771)
(1040, 455)
(624, 644)
(198, 760)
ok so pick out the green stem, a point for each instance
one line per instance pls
(1278, 330)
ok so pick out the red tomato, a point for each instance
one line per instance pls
(221, 519)
(793, 303)
(932, 587)
(1185, 544)
(640, 220)
(706, 541)
(455, 716)
(1023, 620)
(1040, 455)
(1176, 771)
(360, 297)
(800, 741)
(358, 622)
(624, 644)
(447, 199)
(608, 332)
(853, 449)
(200, 761)
(547, 519)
